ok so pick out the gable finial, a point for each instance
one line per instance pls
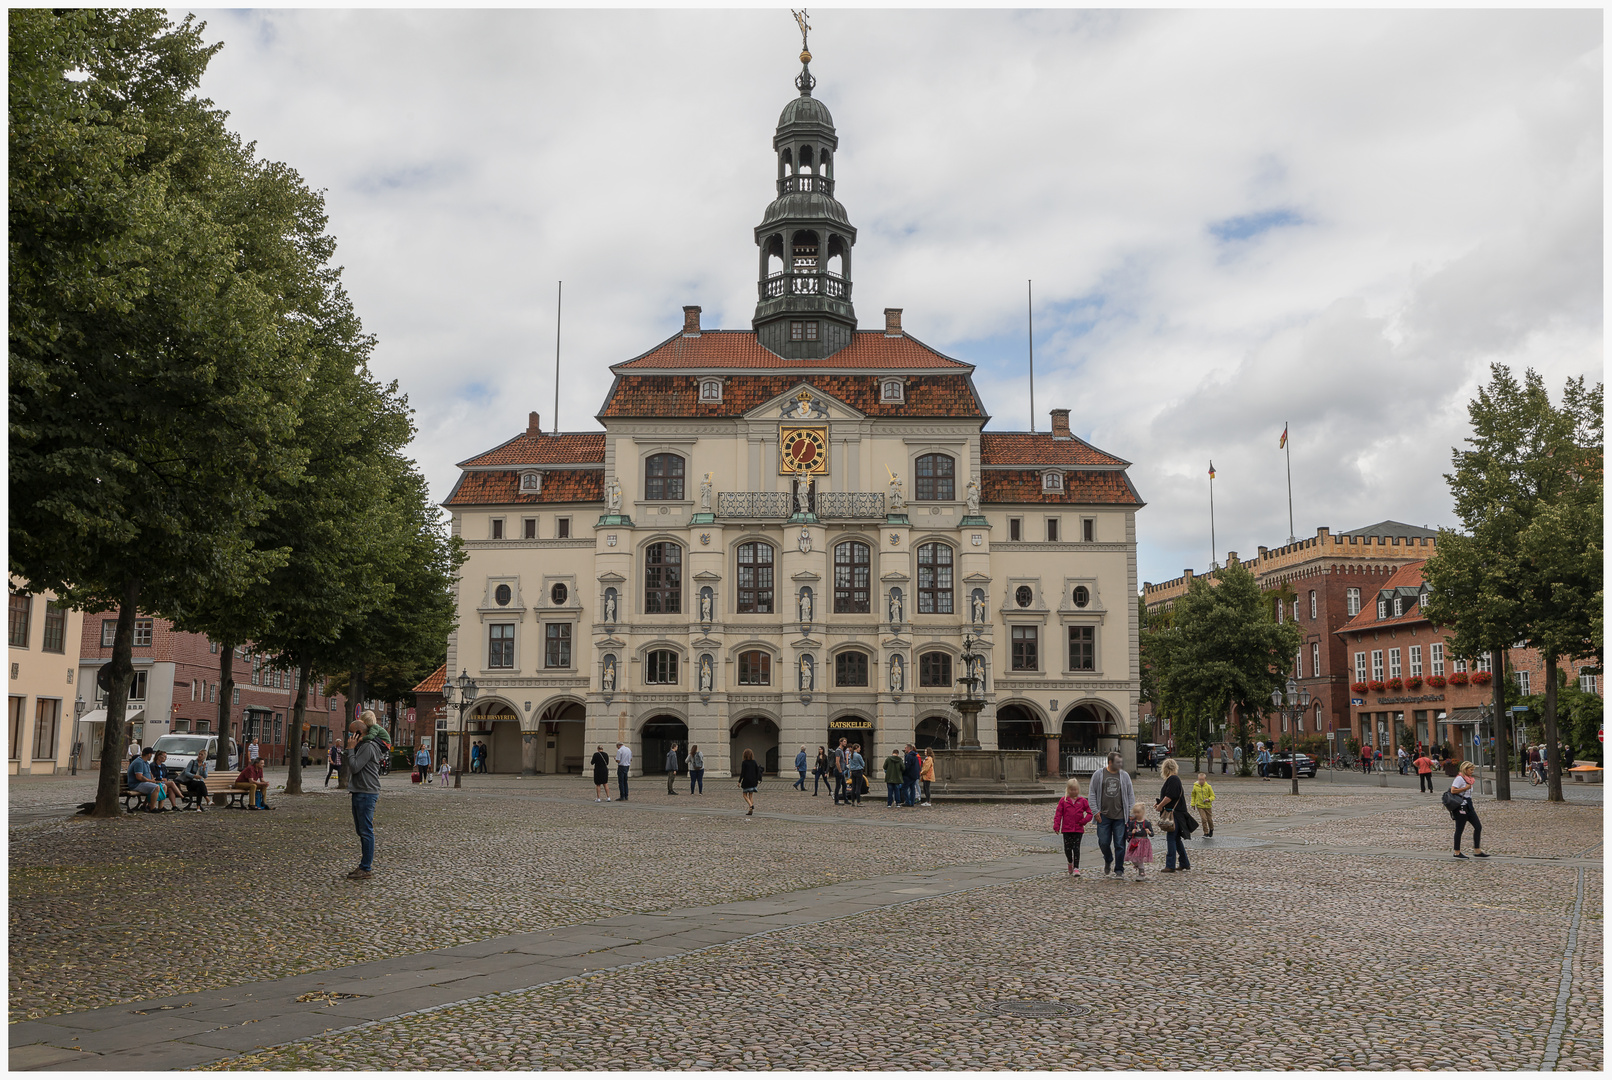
(804, 80)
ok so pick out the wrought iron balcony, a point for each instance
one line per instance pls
(804, 283)
(823, 185)
(850, 504)
(777, 505)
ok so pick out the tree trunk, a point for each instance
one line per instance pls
(1502, 731)
(226, 691)
(293, 776)
(355, 700)
(113, 743)
(1553, 749)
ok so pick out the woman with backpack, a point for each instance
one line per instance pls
(1459, 802)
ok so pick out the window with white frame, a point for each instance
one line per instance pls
(1315, 660)
(711, 391)
(1460, 665)
(1484, 663)
(1416, 661)
(1382, 607)
(1399, 606)
(1522, 683)
(893, 391)
(1052, 480)
(1295, 609)
(1281, 612)
(1586, 680)
(1393, 664)
(1435, 655)
(1352, 598)
(1377, 665)
(1312, 603)
(1360, 667)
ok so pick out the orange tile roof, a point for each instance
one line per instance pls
(678, 395)
(869, 350)
(1040, 448)
(1408, 576)
(503, 488)
(567, 448)
(432, 683)
(1110, 487)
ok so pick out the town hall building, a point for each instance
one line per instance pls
(793, 533)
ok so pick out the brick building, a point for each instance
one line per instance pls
(176, 688)
(1320, 583)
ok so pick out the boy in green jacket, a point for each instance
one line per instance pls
(892, 777)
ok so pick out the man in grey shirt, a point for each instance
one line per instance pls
(364, 755)
(1111, 798)
(671, 769)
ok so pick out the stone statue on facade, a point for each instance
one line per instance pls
(896, 503)
(610, 606)
(707, 603)
(707, 678)
(607, 679)
(806, 604)
(803, 493)
(898, 675)
(895, 607)
(806, 674)
(705, 494)
(973, 497)
(613, 495)
(979, 609)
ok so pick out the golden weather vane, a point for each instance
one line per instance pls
(800, 20)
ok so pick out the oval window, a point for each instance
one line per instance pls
(502, 595)
(1082, 596)
(558, 594)
(1023, 596)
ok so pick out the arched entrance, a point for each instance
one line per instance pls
(758, 734)
(1085, 737)
(657, 737)
(934, 733)
(1017, 728)
(853, 729)
(560, 730)
(494, 726)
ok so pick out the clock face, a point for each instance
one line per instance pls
(803, 450)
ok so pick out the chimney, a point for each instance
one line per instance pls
(533, 425)
(892, 322)
(691, 321)
(1060, 423)
(1231, 557)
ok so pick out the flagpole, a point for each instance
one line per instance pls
(1214, 551)
(1029, 322)
(559, 297)
(1287, 444)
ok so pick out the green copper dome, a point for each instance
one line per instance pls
(805, 110)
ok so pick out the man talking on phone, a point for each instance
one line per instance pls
(367, 745)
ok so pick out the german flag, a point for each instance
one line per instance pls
(1211, 470)
(1282, 443)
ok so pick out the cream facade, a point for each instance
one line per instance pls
(43, 654)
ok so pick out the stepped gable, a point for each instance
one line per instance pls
(1092, 487)
(527, 448)
(677, 396)
(503, 488)
(1008, 449)
(1408, 576)
(712, 350)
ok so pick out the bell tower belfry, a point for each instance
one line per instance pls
(803, 307)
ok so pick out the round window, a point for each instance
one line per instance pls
(1082, 596)
(501, 594)
(1023, 596)
(558, 594)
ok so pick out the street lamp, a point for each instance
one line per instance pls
(1297, 701)
(460, 697)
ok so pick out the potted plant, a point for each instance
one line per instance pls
(1458, 679)
(1359, 687)
(1414, 682)
(1436, 681)
(1481, 678)
(1377, 685)
(1396, 683)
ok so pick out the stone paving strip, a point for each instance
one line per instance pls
(190, 1029)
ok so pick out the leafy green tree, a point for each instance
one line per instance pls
(1527, 564)
(155, 379)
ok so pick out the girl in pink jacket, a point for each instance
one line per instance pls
(1070, 819)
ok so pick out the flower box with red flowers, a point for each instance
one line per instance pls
(1458, 679)
(1359, 687)
(1481, 678)
(1377, 685)
(1436, 681)
(1396, 683)
(1413, 683)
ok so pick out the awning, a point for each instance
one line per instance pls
(99, 716)
(1463, 716)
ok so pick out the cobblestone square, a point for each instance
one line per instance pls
(516, 923)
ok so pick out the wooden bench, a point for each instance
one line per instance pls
(572, 765)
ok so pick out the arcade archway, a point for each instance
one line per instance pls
(1018, 728)
(757, 734)
(656, 739)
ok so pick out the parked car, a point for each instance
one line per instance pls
(182, 749)
(1150, 755)
(1283, 763)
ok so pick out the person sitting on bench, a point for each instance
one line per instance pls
(139, 780)
(251, 780)
(162, 775)
(195, 780)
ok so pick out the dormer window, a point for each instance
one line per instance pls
(1052, 481)
(531, 483)
(1399, 606)
(1382, 608)
(803, 330)
(711, 391)
(893, 391)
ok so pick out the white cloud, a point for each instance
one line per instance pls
(1432, 180)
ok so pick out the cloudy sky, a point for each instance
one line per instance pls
(1233, 220)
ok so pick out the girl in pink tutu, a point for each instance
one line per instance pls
(1138, 840)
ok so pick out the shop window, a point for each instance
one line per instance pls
(47, 728)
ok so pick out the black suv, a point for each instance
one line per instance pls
(1282, 764)
(1150, 755)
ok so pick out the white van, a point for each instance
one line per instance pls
(182, 750)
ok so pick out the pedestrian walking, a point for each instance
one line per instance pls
(892, 777)
(1377, 759)
(1424, 772)
(842, 772)
(1138, 842)
(1237, 753)
(820, 771)
(367, 746)
(1203, 801)
(601, 774)
(1404, 760)
(623, 766)
(749, 779)
(1111, 787)
(422, 763)
(336, 753)
(910, 768)
(1463, 813)
(251, 750)
(800, 769)
(1172, 803)
(1223, 759)
(671, 770)
(1070, 820)
(696, 770)
(444, 773)
(1265, 763)
(1365, 759)
(859, 768)
(926, 774)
